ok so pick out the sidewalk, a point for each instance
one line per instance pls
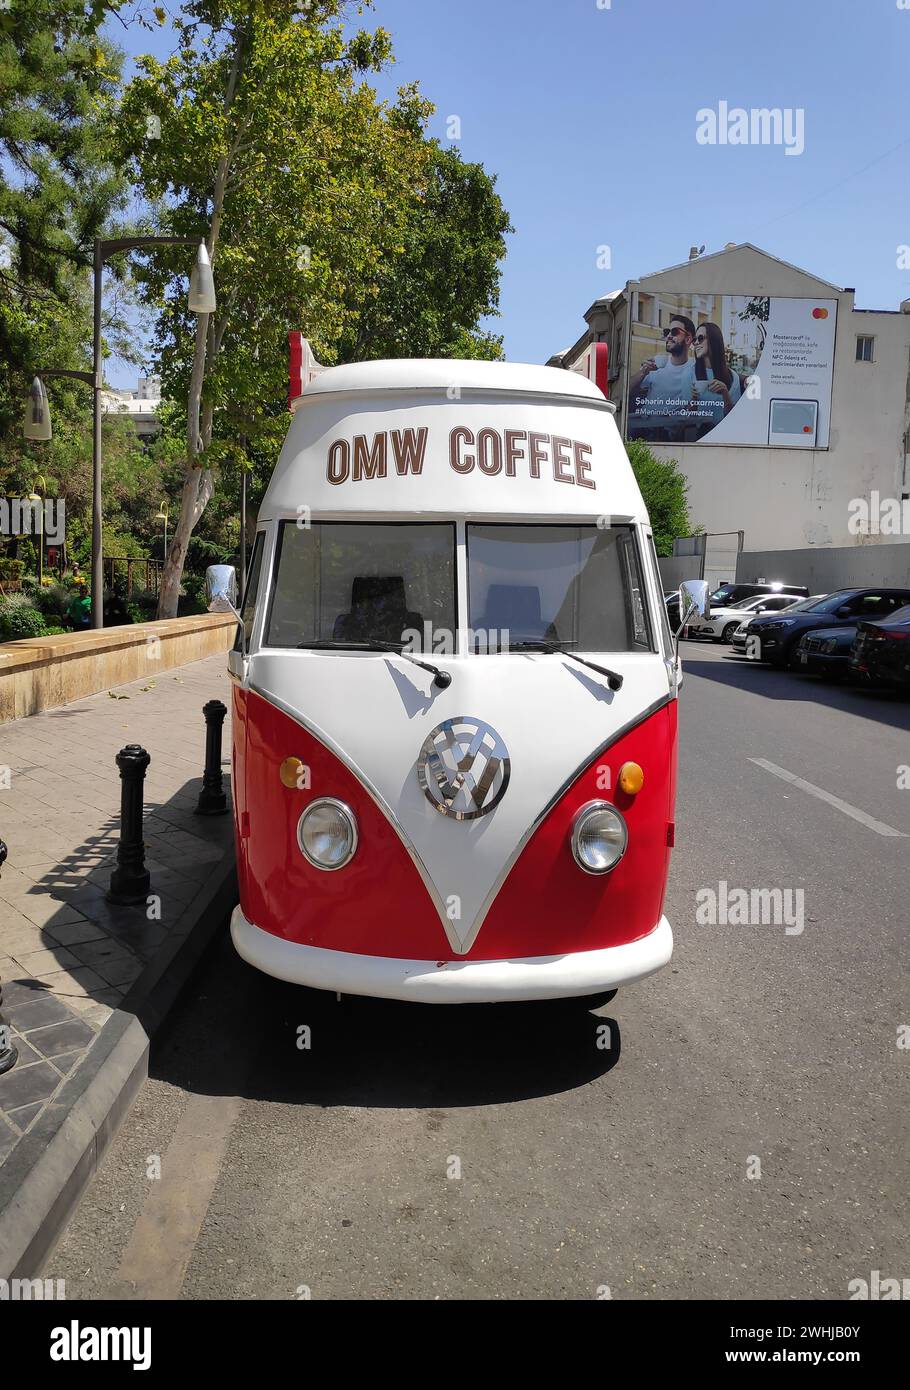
(68, 958)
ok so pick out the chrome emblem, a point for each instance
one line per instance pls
(464, 768)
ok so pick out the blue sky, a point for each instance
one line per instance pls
(587, 116)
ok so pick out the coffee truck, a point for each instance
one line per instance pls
(454, 693)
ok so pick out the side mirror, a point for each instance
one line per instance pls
(843, 612)
(693, 597)
(221, 589)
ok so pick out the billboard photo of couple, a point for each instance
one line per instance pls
(731, 369)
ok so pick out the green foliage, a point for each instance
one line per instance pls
(19, 620)
(663, 486)
(11, 569)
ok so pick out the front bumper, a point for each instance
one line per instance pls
(822, 663)
(454, 981)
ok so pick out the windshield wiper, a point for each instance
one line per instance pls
(440, 678)
(614, 679)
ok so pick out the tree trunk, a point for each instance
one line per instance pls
(198, 483)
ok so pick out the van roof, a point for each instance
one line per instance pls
(444, 374)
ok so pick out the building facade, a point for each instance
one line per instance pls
(796, 433)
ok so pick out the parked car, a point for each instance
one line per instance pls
(723, 622)
(778, 633)
(739, 636)
(826, 651)
(728, 594)
(881, 652)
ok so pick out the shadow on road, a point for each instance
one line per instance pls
(882, 706)
(236, 1032)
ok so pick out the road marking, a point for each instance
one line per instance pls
(155, 1261)
(864, 819)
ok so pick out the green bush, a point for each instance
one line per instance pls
(54, 601)
(55, 631)
(11, 569)
(19, 620)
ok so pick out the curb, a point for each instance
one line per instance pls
(47, 1172)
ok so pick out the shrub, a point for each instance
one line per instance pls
(55, 631)
(19, 620)
(53, 600)
(10, 569)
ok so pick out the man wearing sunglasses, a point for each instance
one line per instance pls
(659, 397)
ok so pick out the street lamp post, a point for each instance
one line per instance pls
(162, 516)
(38, 420)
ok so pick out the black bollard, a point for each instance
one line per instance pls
(8, 1054)
(130, 880)
(212, 799)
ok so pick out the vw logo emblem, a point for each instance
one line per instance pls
(464, 768)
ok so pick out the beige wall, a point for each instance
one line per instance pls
(43, 672)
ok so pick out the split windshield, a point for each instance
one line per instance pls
(351, 583)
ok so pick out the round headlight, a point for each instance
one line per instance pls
(599, 838)
(327, 834)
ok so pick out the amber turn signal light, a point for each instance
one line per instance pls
(290, 771)
(631, 779)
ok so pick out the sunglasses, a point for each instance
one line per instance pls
(701, 337)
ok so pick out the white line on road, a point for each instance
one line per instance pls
(864, 819)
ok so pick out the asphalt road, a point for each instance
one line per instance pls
(596, 1150)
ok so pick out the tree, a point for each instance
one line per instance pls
(58, 191)
(324, 209)
(430, 297)
(301, 180)
(663, 486)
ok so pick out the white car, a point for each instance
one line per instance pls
(723, 622)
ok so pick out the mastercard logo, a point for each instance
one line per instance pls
(819, 313)
(807, 429)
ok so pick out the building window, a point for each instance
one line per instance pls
(864, 347)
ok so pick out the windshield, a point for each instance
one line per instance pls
(356, 582)
(573, 586)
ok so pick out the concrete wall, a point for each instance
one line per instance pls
(835, 567)
(675, 568)
(43, 672)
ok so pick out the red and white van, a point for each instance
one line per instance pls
(454, 694)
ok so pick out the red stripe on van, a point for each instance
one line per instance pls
(547, 905)
(377, 905)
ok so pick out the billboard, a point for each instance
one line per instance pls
(731, 369)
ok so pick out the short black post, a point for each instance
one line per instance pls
(8, 1054)
(131, 879)
(212, 799)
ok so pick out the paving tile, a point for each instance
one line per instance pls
(24, 1114)
(67, 1060)
(22, 990)
(107, 949)
(47, 961)
(77, 982)
(44, 910)
(36, 1013)
(58, 1038)
(25, 1085)
(8, 1136)
(112, 996)
(26, 1052)
(120, 972)
(76, 933)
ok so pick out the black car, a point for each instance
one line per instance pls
(881, 652)
(825, 652)
(779, 633)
